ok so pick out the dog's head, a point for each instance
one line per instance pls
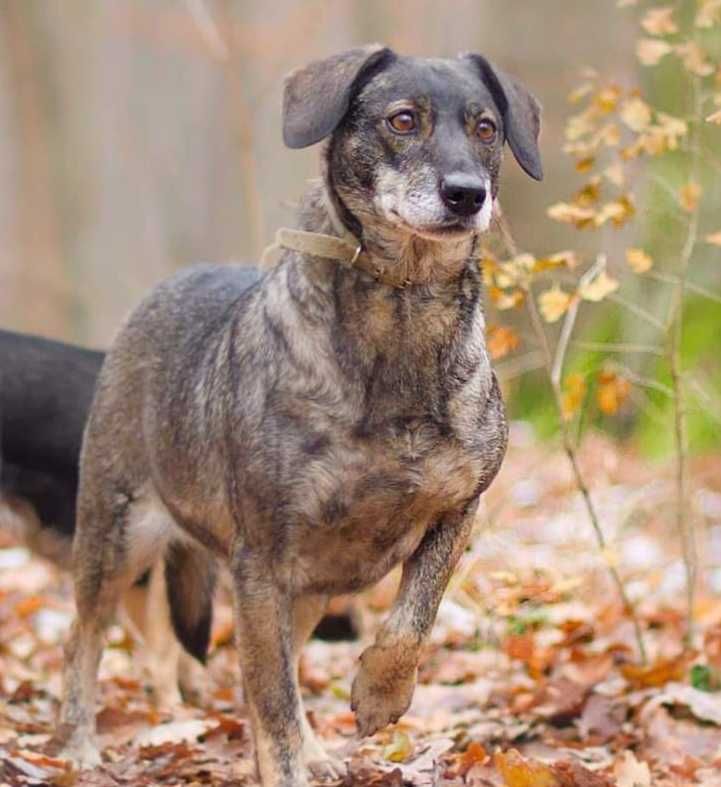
(415, 143)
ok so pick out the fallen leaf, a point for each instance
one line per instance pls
(598, 288)
(629, 772)
(174, 732)
(657, 674)
(399, 749)
(638, 260)
(519, 772)
(703, 705)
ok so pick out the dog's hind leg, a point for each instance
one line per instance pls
(115, 542)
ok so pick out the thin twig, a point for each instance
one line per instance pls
(572, 456)
(674, 322)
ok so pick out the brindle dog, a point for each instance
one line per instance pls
(322, 425)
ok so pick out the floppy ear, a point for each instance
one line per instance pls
(521, 114)
(317, 97)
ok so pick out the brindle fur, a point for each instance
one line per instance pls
(314, 427)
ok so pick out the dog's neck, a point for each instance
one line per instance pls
(403, 258)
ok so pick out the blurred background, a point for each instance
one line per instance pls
(137, 137)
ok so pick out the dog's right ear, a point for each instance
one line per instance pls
(317, 97)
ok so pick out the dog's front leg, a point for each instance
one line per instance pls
(383, 689)
(263, 616)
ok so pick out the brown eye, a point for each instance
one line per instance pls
(486, 130)
(402, 122)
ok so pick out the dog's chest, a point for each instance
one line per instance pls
(364, 504)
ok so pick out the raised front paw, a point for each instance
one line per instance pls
(383, 688)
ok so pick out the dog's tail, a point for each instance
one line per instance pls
(190, 576)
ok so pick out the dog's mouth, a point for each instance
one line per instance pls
(452, 229)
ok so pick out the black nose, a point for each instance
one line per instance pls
(463, 194)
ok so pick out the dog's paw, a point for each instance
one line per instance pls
(326, 769)
(83, 754)
(382, 690)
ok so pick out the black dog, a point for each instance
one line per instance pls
(46, 388)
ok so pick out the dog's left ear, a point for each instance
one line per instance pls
(521, 114)
(317, 97)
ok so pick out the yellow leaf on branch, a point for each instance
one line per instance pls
(650, 51)
(501, 340)
(598, 288)
(574, 392)
(694, 59)
(708, 14)
(554, 303)
(571, 214)
(613, 390)
(636, 114)
(659, 21)
(638, 260)
(689, 196)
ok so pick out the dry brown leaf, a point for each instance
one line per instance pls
(520, 772)
(636, 114)
(574, 391)
(689, 196)
(612, 392)
(650, 51)
(598, 288)
(659, 21)
(629, 772)
(554, 303)
(638, 260)
(657, 674)
(501, 340)
(506, 300)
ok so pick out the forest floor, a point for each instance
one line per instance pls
(532, 676)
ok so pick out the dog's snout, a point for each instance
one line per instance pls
(463, 194)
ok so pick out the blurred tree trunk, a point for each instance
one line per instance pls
(37, 290)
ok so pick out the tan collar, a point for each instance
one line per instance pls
(344, 248)
(349, 253)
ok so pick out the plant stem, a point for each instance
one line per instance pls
(554, 368)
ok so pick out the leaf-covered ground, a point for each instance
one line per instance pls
(532, 676)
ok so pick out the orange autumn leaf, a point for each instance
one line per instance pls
(612, 392)
(689, 196)
(520, 772)
(29, 606)
(501, 340)
(638, 260)
(475, 754)
(657, 674)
